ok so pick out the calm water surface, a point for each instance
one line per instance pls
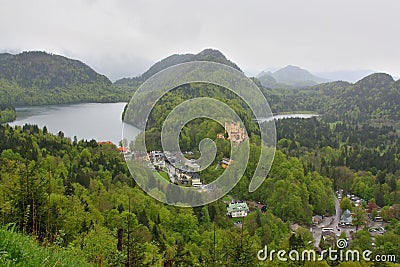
(288, 116)
(99, 121)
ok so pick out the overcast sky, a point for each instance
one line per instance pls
(124, 38)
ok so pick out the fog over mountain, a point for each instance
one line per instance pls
(289, 76)
(345, 75)
(124, 38)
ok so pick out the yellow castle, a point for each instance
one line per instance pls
(235, 133)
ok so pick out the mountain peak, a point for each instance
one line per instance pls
(215, 55)
(375, 80)
(211, 52)
(208, 54)
(293, 67)
(47, 71)
(290, 75)
(37, 78)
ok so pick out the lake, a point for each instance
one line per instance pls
(99, 121)
(289, 116)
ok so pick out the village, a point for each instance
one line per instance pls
(326, 230)
(184, 171)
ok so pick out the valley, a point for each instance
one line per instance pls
(77, 194)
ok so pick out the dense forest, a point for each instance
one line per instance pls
(363, 160)
(7, 114)
(374, 100)
(80, 195)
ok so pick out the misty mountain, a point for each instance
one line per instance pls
(291, 76)
(374, 98)
(346, 75)
(205, 55)
(267, 80)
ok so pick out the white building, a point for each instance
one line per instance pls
(237, 209)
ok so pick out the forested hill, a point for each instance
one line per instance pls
(374, 98)
(205, 55)
(47, 71)
(35, 78)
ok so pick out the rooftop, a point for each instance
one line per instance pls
(233, 207)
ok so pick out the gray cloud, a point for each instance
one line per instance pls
(123, 38)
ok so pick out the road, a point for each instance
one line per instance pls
(338, 212)
(171, 172)
(331, 222)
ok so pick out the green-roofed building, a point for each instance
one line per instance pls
(238, 209)
(347, 218)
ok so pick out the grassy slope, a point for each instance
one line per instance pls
(19, 250)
